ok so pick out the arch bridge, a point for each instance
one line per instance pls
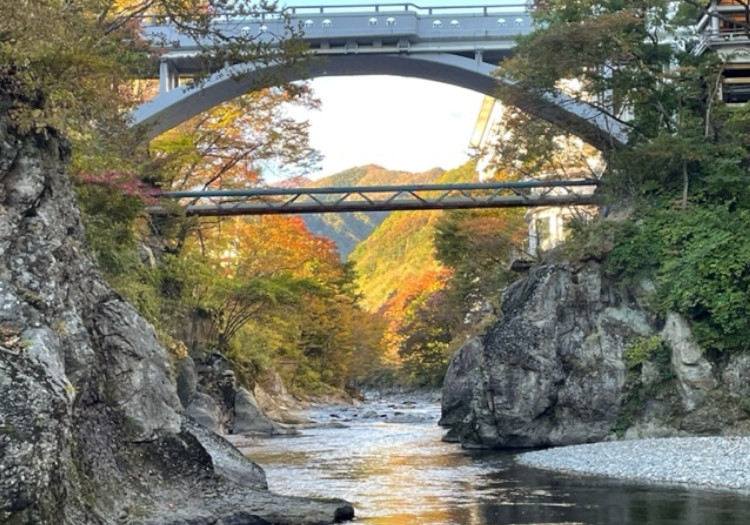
(459, 45)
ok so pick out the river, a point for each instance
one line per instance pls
(390, 463)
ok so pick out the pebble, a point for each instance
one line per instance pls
(710, 462)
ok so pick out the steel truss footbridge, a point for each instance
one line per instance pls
(460, 45)
(282, 201)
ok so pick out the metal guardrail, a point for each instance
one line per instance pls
(483, 9)
(284, 201)
(355, 9)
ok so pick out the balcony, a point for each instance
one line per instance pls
(724, 27)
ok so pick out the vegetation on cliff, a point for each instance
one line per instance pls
(266, 293)
(680, 182)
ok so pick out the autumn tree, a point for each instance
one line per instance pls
(478, 245)
(424, 333)
(228, 146)
(267, 291)
(82, 55)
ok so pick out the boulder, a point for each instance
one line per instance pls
(206, 412)
(248, 417)
(280, 406)
(549, 373)
(187, 380)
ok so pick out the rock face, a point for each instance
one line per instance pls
(210, 394)
(91, 430)
(555, 370)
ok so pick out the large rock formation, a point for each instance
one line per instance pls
(572, 361)
(211, 395)
(91, 430)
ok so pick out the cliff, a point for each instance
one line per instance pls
(91, 430)
(572, 360)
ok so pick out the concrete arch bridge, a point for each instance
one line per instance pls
(459, 45)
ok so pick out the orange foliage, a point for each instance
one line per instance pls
(269, 245)
(395, 310)
(227, 147)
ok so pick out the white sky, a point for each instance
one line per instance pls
(396, 122)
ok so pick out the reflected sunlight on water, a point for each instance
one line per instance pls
(402, 474)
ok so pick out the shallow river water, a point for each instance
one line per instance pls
(391, 464)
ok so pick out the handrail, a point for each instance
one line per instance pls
(405, 6)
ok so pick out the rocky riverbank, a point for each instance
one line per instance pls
(706, 462)
(91, 428)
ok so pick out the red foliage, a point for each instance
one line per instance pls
(125, 182)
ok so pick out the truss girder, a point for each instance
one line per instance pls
(278, 201)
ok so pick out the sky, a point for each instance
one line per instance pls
(396, 122)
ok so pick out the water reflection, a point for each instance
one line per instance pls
(402, 474)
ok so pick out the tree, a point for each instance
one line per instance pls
(93, 49)
(687, 155)
(227, 147)
(478, 245)
(264, 290)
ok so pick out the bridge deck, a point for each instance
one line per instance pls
(282, 201)
(350, 29)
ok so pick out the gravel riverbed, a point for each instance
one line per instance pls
(710, 462)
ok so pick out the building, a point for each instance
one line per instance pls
(724, 28)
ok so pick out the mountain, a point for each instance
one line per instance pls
(350, 228)
(400, 250)
(294, 182)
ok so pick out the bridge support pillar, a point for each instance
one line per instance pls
(169, 77)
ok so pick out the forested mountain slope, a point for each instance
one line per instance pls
(400, 250)
(425, 272)
(348, 229)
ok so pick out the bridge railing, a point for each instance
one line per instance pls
(484, 9)
(359, 9)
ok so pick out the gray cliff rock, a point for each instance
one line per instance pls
(91, 430)
(205, 411)
(249, 418)
(212, 396)
(695, 374)
(553, 371)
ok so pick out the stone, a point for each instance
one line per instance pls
(552, 370)
(206, 412)
(187, 380)
(695, 375)
(547, 373)
(464, 372)
(248, 418)
(735, 375)
(135, 368)
(280, 406)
